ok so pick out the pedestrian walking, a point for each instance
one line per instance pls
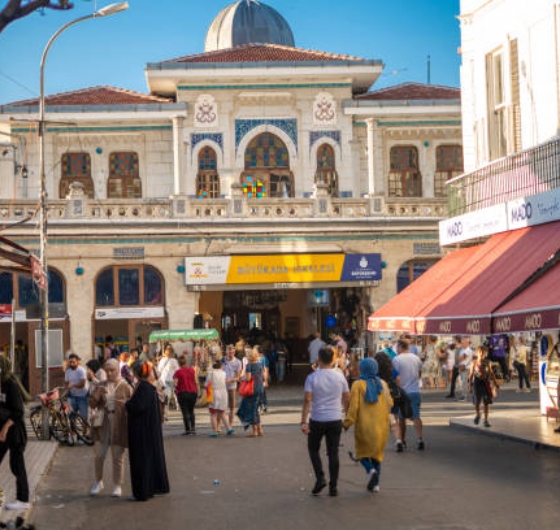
(232, 367)
(75, 378)
(430, 368)
(409, 367)
(13, 436)
(481, 377)
(217, 407)
(368, 410)
(148, 470)
(109, 426)
(248, 412)
(519, 354)
(185, 380)
(465, 360)
(326, 397)
(452, 368)
(166, 367)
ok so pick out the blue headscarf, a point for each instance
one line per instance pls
(368, 372)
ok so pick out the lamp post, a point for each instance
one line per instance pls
(111, 9)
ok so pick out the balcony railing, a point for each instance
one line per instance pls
(526, 173)
(236, 208)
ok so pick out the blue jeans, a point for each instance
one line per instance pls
(369, 464)
(280, 370)
(79, 404)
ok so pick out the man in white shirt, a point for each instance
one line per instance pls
(465, 359)
(232, 367)
(326, 396)
(75, 378)
(314, 346)
(409, 367)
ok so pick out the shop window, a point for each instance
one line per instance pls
(75, 167)
(207, 178)
(326, 169)
(6, 288)
(104, 289)
(129, 286)
(267, 168)
(449, 164)
(405, 179)
(29, 293)
(411, 271)
(124, 176)
(152, 287)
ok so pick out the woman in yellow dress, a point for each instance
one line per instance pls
(369, 409)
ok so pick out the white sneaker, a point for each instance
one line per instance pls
(376, 489)
(117, 492)
(18, 505)
(96, 488)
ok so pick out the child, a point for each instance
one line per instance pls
(218, 406)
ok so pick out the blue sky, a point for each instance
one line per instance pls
(114, 50)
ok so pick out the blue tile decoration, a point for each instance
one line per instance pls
(288, 125)
(196, 138)
(316, 135)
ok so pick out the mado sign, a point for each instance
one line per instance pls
(481, 223)
(534, 210)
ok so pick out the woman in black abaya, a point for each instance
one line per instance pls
(148, 472)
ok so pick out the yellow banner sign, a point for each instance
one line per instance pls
(285, 268)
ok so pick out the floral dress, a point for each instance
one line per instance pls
(431, 367)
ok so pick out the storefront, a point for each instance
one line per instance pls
(285, 295)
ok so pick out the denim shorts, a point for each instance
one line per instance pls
(416, 401)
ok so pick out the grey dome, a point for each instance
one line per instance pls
(247, 22)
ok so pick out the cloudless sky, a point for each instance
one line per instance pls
(114, 50)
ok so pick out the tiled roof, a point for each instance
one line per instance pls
(250, 53)
(408, 91)
(98, 95)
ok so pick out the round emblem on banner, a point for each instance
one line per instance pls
(330, 321)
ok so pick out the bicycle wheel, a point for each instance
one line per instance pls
(60, 429)
(36, 420)
(80, 427)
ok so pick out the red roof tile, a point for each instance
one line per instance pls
(99, 95)
(408, 91)
(250, 53)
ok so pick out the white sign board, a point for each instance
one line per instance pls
(481, 223)
(55, 348)
(115, 313)
(534, 210)
(207, 271)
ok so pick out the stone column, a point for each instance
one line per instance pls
(371, 148)
(178, 157)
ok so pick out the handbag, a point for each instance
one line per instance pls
(97, 417)
(209, 392)
(247, 388)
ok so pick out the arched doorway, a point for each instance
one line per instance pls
(267, 168)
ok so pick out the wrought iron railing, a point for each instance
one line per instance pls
(526, 173)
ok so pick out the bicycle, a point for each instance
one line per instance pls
(63, 421)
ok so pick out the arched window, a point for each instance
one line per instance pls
(405, 179)
(267, 168)
(326, 169)
(411, 271)
(449, 164)
(207, 178)
(75, 167)
(124, 176)
(28, 292)
(129, 285)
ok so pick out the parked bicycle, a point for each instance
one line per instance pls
(65, 425)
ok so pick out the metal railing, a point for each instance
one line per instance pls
(526, 173)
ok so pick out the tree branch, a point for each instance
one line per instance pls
(16, 9)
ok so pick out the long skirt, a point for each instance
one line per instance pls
(248, 412)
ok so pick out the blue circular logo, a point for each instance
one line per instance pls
(330, 321)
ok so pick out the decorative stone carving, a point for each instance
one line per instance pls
(205, 111)
(324, 109)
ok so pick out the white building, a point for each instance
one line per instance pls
(256, 184)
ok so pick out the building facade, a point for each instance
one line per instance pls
(255, 186)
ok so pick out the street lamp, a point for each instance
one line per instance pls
(111, 9)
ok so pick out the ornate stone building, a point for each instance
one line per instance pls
(257, 184)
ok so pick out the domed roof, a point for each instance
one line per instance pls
(247, 22)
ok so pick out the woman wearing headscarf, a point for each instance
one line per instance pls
(12, 431)
(368, 411)
(109, 426)
(148, 470)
